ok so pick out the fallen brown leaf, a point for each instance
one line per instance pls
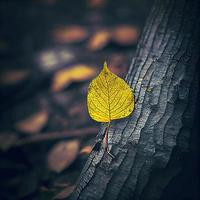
(86, 150)
(33, 123)
(70, 34)
(99, 40)
(64, 77)
(10, 77)
(125, 34)
(62, 155)
(65, 193)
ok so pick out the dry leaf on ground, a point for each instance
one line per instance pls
(13, 76)
(34, 123)
(70, 34)
(86, 150)
(99, 40)
(62, 155)
(64, 77)
(65, 193)
(125, 34)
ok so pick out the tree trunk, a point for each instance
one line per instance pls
(152, 147)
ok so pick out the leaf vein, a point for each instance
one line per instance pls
(100, 95)
(98, 108)
(99, 86)
(118, 100)
(123, 109)
(121, 103)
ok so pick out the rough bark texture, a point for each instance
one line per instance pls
(150, 146)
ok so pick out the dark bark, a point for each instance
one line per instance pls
(152, 146)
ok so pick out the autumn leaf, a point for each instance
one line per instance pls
(125, 34)
(99, 40)
(70, 34)
(34, 123)
(62, 155)
(78, 72)
(10, 77)
(86, 150)
(109, 97)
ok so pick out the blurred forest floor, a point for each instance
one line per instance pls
(50, 50)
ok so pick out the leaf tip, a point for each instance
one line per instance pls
(105, 66)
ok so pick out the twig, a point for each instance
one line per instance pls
(57, 135)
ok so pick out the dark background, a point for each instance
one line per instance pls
(34, 47)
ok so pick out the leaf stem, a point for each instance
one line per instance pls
(106, 139)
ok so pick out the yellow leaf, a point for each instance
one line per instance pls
(77, 73)
(99, 40)
(109, 97)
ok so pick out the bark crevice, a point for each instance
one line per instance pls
(148, 145)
